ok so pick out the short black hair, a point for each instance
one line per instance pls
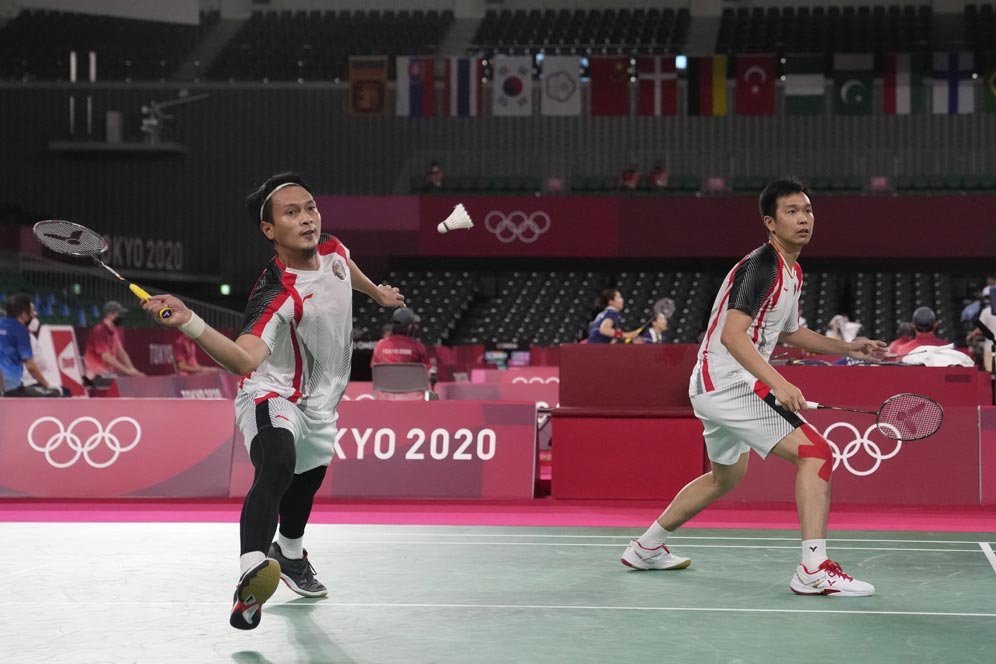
(255, 200)
(17, 304)
(780, 188)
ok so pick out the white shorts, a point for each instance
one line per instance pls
(314, 436)
(736, 419)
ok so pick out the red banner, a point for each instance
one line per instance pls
(438, 449)
(522, 226)
(755, 87)
(609, 85)
(101, 448)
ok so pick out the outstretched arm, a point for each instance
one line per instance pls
(859, 349)
(239, 357)
(384, 295)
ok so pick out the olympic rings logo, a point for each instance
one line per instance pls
(72, 436)
(517, 225)
(536, 379)
(860, 442)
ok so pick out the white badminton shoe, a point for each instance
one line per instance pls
(828, 579)
(638, 557)
(255, 587)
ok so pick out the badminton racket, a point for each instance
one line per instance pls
(69, 239)
(905, 416)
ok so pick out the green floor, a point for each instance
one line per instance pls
(549, 595)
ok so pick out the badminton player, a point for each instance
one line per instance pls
(294, 355)
(744, 404)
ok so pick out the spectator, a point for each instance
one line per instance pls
(105, 353)
(401, 346)
(434, 178)
(185, 356)
(629, 179)
(658, 176)
(16, 355)
(924, 323)
(607, 326)
(656, 332)
(904, 334)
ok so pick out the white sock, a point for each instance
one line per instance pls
(814, 552)
(250, 560)
(291, 548)
(654, 537)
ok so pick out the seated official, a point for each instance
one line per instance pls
(401, 346)
(656, 332)
(924, 325)
(16, 354)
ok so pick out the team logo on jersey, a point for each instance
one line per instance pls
(338, 269)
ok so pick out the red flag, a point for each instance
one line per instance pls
(755, 90)
(657, 93)
(609, 85)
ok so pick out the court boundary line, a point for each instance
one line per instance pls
(687, 546)
(322, 603)
(694, 609)
(990, 556)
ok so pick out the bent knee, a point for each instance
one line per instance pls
(816, 452)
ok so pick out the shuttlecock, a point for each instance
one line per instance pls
(457, 219)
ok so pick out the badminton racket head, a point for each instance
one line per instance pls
(909, 416)
(67, 238)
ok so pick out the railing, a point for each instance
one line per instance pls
(94, 285)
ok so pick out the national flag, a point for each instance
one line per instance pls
(513, 85)
(804, 85)
(902, 83)
(657, 89)
(853, 77)
(707, 85)
(367, 84)
(462, 87)
(561, 89)
(954, 92)
(609, 85)
(415, 96)
(755, 84)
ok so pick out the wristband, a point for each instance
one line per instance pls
(194, 327)
(618, 334)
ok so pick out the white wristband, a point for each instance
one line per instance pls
(194, 327)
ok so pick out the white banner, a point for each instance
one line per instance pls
(513, 85)
(561, 89)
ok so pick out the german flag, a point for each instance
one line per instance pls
(707, 85)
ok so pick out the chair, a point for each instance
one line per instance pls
(406, 380)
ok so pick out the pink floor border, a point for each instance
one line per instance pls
(546, 512)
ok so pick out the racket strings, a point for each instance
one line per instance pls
(68, 238)
(911, 416)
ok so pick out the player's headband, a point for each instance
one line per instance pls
(270, 195)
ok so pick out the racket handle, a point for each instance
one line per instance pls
(164, 313)
(812, 405)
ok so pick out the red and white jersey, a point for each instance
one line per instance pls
(305, 317)
(764, 287)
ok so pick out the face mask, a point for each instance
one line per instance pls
(33, 325)
(118, 322)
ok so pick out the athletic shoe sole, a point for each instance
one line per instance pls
(258, 588)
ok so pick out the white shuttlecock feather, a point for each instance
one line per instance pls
(457, 219)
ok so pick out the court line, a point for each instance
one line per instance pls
(684, 546)
(696, 609)
(990, 556)
(626, 538)
(326, 604)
